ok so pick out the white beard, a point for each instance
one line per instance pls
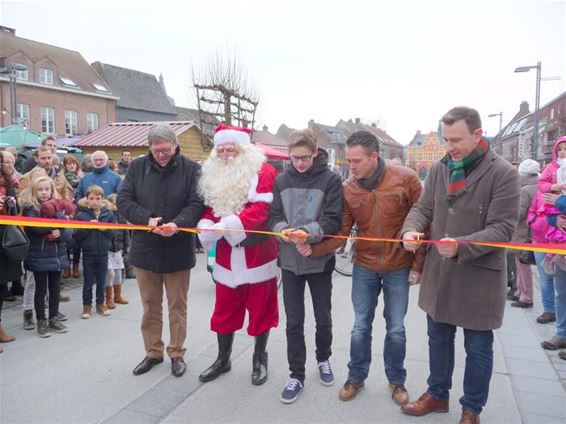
(225, 185)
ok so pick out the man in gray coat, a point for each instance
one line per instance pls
(472, 194)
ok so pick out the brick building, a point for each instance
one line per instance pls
(423, 151)
(57, 91)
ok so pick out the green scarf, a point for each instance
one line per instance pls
(459, 169)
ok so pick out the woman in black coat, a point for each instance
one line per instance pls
(11, 270)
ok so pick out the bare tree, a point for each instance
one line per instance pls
(223, 93)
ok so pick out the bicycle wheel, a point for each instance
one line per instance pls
(345, 263)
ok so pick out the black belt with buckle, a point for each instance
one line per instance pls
(252, 239)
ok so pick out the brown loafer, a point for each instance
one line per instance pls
(349, 390)
(521, 304)
(399, 394)
(178, 366)
(146, 364)
(425, 404)
(546, 317)
(469, 417)
(554, 343)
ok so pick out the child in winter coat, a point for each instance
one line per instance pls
(47, 254)
(120, 243)
(553, 180)
(95, 245)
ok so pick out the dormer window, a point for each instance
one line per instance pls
(45, 76)
(68, 82)
(21, 71)
(100, 88)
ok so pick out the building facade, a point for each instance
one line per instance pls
(57, 92)
(423, 151)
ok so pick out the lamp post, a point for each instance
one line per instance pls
(534, 146)
(11, 72)
(500, 114)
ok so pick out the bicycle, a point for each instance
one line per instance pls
(346, 255)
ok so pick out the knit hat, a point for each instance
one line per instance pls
(529, 167)
(226, 134)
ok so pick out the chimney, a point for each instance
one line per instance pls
(265, 128)
(162, 83)
(311, 124)
(524, 108)
(357, 120)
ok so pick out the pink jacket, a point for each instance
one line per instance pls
(548, 176)
(537, 218)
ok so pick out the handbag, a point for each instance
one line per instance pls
(15, 242)
(527, 257)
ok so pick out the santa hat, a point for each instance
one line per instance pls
(226, 134)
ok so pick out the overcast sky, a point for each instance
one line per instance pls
(400, 63)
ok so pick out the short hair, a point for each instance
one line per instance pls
(161, 132)
(41, 149)
(367, 140)
(112, 198)
(56, 160)
(125, 151)
(469, 115)
(94, 189)
(304, 138)
(100, 153)
(46, 139)
(7, 154)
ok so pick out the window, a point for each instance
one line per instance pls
(91, 122)
(46, 76)
(47, 120)
(100, 87)
(69, 82)
(70, 122)
(22, 113)
(21, 74)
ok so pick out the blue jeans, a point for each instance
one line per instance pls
(94, 272)
(546, 285)
(366, 286)
(560, 300)
(479, 364)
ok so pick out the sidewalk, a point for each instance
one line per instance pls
(85, 376)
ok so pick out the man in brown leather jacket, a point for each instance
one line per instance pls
(377, 199)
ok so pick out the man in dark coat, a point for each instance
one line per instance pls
(160, 190)
(472, 194)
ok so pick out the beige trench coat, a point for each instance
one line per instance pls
(468, 290)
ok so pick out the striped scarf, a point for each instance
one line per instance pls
(459, 169)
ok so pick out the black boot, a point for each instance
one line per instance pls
(222, 363)
(259, 363)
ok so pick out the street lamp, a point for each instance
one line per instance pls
(500, 114)
(11, 71)
(534, 146)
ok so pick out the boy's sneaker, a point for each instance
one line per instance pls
(102, 309)
(291, 390)
(325, 373)
(57, 326)
(43, 328)
(61, 317)
(87, 310)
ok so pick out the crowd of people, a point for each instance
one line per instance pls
(471, 195)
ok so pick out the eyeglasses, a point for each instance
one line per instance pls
(163, 152)
(228, 150)
(303, 159)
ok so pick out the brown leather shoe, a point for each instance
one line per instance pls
(399, 394)
(425, 404)
(546, 317)
(469, 418)
(349, 390)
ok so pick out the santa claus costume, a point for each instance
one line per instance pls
(236, 186)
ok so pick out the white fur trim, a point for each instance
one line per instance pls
(233, 222)
(240, 273)
(254, 196)
(231, 136)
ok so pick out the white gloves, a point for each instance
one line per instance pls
(207, 238)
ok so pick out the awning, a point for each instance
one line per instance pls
(18, 137)
(272, 153)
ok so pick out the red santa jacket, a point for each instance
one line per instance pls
(248, 264)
